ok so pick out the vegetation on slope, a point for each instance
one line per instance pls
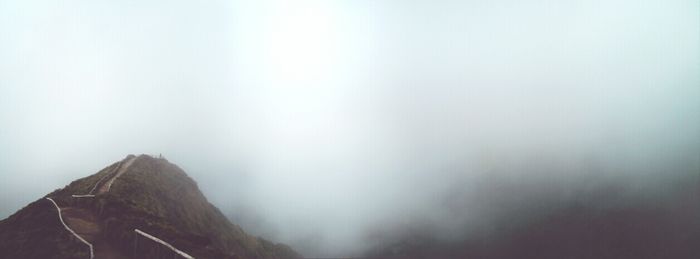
(35, 231)
(601, 224)
(154, 196)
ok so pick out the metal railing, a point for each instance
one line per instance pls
(103, 177)
(92, 253)
(82, 195)
(122, 169)
(166, 244)
(110, 176)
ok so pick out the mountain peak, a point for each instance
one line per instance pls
(140, 206)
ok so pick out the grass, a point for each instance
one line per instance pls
(36, 232)
(154, 196)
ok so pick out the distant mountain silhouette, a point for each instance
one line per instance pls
(600, 225)
(105, 210)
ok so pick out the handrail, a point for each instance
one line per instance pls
(119, 172)
(92, 253)
(181, 253)
(82, 195)
(103, 177)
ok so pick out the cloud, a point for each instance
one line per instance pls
(314, 122)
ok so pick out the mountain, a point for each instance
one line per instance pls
(605, 223)
(140, 207)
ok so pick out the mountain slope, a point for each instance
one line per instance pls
(604, 223)
(142, 193)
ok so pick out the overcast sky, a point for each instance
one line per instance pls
(310, 122)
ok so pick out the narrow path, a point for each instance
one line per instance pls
(85, 224)
(101, 181)
(124, 167)
(60, 217)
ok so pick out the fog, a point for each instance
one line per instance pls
(322, 123)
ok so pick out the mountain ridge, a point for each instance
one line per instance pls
(138, 192)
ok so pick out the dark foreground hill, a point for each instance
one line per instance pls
(144, 193)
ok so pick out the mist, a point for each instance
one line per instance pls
(329, 125)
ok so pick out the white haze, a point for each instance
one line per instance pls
(314, 122)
